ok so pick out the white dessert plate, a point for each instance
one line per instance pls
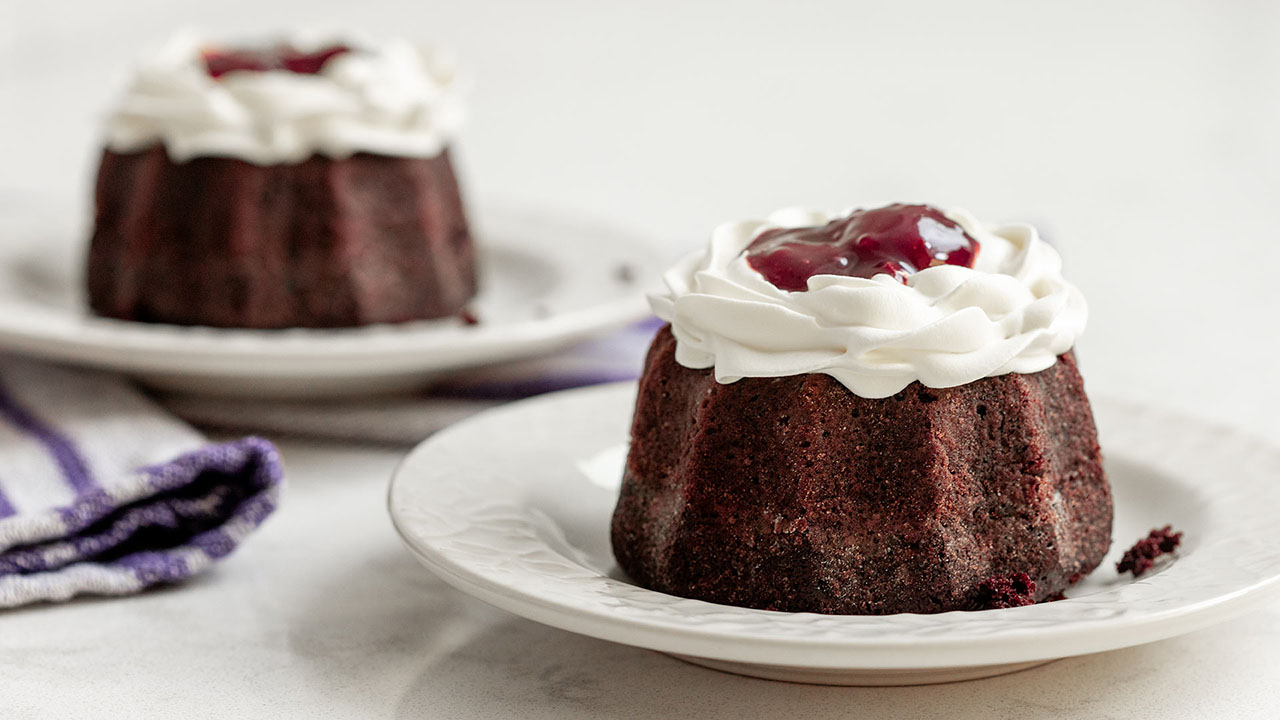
(546, 281)
(513, 507)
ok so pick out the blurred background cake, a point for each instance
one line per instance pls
(301, 182)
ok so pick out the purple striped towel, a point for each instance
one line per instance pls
(102, 492)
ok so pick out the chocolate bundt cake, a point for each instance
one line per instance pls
(307, 184)
(850, 446)
(792, 493)
(321, 243)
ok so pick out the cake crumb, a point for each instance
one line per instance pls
(1142, 556)
(1006, 591)
(468, 317)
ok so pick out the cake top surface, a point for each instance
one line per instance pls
(283, 101)
(877, 298)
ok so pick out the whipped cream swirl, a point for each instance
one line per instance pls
(389, 98)
(947, 325)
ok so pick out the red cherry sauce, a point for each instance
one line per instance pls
(897, 240)
(220, 62)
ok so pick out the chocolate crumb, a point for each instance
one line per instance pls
(468, 318)
(624, 273)
(1142, 556)
(1006, 591)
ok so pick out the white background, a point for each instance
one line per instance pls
(1142, 137)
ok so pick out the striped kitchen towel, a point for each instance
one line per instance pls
(102, 492)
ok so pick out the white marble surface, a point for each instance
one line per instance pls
(324, 614)
(1140, 136)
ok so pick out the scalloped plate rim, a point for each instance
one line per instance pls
(1016, 645)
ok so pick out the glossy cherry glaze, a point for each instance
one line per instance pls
(897, 240)
(220, 62)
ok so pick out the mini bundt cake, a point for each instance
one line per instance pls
(870, 413)
(306, 184)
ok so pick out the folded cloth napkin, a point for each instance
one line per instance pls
(102, 492)
(408, 419)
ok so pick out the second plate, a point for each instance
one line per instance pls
(546, 281)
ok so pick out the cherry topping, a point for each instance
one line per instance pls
(220, 62)
(896, 239)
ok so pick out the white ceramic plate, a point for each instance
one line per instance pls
(513, 507)
(547, 281)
